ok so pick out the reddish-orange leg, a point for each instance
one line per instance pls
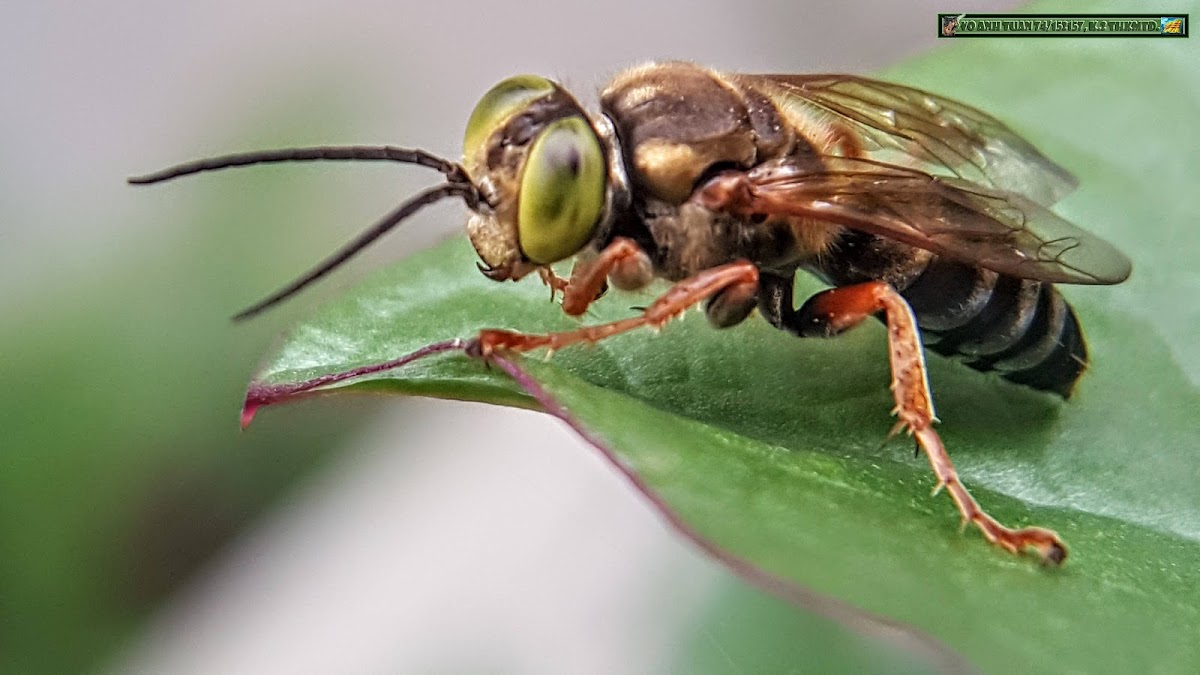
(622, 261)
(556, 283)
(833, 311)
(738, 275)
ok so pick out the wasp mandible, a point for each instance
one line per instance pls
(915, 208)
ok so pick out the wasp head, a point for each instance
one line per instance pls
(541, 172)
(533, 174)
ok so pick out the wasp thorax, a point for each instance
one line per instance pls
(541, 167)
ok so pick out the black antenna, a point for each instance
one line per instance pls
(466, 191)
(458, 185)
(352, 153)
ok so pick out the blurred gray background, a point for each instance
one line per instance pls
(438, 536)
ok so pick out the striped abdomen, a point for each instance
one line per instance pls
(1021, 328)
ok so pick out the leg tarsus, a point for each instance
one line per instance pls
(556, 283)
(1047, 543)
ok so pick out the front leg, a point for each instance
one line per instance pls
(836, 310)
(622, 261)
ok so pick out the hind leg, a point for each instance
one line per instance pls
(836, 310)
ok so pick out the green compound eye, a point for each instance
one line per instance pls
(499, 104)
(562, 191)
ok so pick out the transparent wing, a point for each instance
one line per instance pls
(997, 230)
(908, 127)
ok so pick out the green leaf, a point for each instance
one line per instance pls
(769, 446)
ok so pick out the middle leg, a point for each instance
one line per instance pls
(739, 278)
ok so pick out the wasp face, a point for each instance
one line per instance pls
(540, 168)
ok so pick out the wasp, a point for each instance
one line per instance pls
(925, 212)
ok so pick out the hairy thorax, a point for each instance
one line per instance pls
(681, 124)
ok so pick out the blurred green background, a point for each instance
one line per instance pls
(141, 531)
